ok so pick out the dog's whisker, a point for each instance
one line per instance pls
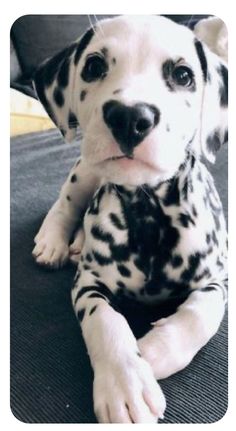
(99, 26)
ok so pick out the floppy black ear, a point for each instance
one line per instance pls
(57, 87)
(214, 115)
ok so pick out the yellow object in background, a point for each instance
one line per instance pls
(27, 115)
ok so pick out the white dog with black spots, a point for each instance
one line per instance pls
(150, 99)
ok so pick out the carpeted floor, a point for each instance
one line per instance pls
(51, 377)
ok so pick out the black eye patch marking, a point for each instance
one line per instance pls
(83, 43)
(83, 94)
(202, 58)
(223, 90)
(95, 68)
(178, 76)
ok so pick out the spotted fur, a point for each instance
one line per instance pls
(150, 225)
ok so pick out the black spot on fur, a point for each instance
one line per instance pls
(204, 274)
(83, 94)
(86, 267)
(202, 58)
(82, 45)
(98, 288)
(194, 211)
(93, 309)
(193, 264)
(172, 196)
(120, 284)
(176, 261)
(208, 238)
(185, 220)
(213, 142)
(102, 260)
(94, 205)
(123, 270)
(120, 252)
(223, 90)
(68, 198)
(113, 60)
(214, 238)
(63, 74)
(101, 235)
(80, 314)
(116, 221)
(219, 263)
(73, 178)
(89, 257)
(58, 97)
(187, 103)
(95, 273)
(72, 120)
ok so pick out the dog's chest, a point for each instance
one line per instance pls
(143, 248)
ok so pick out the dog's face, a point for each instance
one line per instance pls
(144, 92)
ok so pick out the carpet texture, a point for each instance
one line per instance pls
(51, 377)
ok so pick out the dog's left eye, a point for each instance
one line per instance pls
(95, 68)
(182, 76)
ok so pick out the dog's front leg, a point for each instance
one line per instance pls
(52, 241)
(124, 389)
(174, 341)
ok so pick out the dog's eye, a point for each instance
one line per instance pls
(182, 76)
(94, 68)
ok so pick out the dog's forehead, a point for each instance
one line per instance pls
(146, 33)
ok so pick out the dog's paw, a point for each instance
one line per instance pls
(50, 250)
(127, 392)
(76, 246)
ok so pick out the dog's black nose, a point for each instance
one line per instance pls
(130, 124)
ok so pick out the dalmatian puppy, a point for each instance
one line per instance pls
(150, 99)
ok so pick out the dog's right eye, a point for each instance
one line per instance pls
(95, 68)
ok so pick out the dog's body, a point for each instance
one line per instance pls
(154, 229)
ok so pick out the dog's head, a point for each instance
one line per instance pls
(144, 91)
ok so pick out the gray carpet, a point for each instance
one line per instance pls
(51, 377)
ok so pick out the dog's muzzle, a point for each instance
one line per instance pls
(130, 124)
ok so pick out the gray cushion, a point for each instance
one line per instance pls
(51, 377)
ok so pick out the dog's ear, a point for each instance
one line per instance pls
(57, 87)
(214, 113)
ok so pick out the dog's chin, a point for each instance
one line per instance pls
(130, 171)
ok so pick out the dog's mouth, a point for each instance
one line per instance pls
(113, 158)
(131, 161)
